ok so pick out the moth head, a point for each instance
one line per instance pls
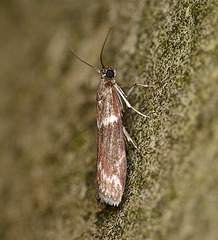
(108, 72)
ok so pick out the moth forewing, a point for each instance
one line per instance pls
(111, 161)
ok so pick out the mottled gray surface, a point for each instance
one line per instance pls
(48, 122)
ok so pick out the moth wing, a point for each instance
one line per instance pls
(111, 162)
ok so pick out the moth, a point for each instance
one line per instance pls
(111, 164)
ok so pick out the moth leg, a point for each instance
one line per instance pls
(129, 139)
(138, 85)
(123, 96)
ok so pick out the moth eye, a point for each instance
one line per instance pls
(110, 73)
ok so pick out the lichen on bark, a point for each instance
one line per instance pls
(48, 123)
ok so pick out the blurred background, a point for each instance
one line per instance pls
(47, 102)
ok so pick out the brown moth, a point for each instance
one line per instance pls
(111, 154)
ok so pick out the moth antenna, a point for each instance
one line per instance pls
(90, 65)
(102, 49)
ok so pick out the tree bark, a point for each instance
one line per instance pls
(48, 123)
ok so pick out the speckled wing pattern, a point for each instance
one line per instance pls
(111, 161)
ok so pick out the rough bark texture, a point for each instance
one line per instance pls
(48, 122)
